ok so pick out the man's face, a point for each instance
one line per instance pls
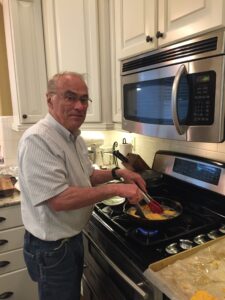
(70, 102)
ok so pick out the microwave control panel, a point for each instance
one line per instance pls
(202, 96)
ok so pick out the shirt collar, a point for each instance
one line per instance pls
(62, 130)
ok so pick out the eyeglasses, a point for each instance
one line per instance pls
(72, 97)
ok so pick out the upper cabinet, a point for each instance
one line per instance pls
(72, 44)
(139, 26)
(135, 26)
(143, 25)
(26, 60)
(47, 37)
(182, 19)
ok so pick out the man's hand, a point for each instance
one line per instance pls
(132, 177)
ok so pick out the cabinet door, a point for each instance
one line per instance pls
(18, 286)
(11, 261)
(182, 19)
(10, 217)
(71, 37)
(135, 26)
(11, 239)
(26, 59)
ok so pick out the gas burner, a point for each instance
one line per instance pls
(201, 239)
(186, 244)
(214, 234)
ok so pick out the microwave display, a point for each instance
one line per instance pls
(150, 101)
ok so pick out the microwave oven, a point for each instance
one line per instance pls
(177, 92)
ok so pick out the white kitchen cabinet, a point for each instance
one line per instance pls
(72, 44)
(143, 25)
(135, 26)
(13, 273)
(181, 19)
(139, 26)
(26, 60)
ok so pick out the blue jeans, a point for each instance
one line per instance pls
(56, 266)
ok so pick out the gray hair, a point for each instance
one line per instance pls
(53, 82)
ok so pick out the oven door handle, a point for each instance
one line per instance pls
(181, 129)
(129, 281)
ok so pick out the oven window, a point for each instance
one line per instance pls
(150, 101)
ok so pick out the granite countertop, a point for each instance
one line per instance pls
(14, 199)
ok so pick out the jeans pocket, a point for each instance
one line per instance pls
(32, 264)
(53, 258)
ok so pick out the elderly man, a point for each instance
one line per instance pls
(59, 187)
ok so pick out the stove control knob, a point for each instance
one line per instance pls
(173, 248)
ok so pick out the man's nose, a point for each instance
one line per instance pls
(79, 105)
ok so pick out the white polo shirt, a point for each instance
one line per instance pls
(50, 159)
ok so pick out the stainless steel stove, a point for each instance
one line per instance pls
(128, 248)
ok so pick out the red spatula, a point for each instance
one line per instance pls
(154, 206)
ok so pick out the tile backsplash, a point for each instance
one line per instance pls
(144, 146)
(147, 146)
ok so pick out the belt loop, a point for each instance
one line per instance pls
(62, 243)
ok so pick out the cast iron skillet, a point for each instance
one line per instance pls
(146, 222)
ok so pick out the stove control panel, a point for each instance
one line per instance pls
(201, 172)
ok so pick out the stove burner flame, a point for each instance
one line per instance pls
(146, 232)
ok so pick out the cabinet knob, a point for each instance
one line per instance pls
(24, 116)
(2, 242)
(149, 39)
(6, 295)
(4, 263)
(2, 219)
(159, 34)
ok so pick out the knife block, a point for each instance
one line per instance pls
(136, 163)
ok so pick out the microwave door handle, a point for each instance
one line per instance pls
(181, 129)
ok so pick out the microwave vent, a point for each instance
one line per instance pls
(181, 51)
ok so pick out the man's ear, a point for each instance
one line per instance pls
(49, 99)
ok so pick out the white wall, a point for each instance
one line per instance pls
(144, 146)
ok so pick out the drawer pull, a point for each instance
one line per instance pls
(6, 295)
(2, 219)
(3, 242)
(4, 263)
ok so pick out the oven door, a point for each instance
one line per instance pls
(181, 101)
(103, 279)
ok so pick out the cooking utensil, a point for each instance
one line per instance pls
(164, 202)
(154, 206)
(139, 211)
(119, 155)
